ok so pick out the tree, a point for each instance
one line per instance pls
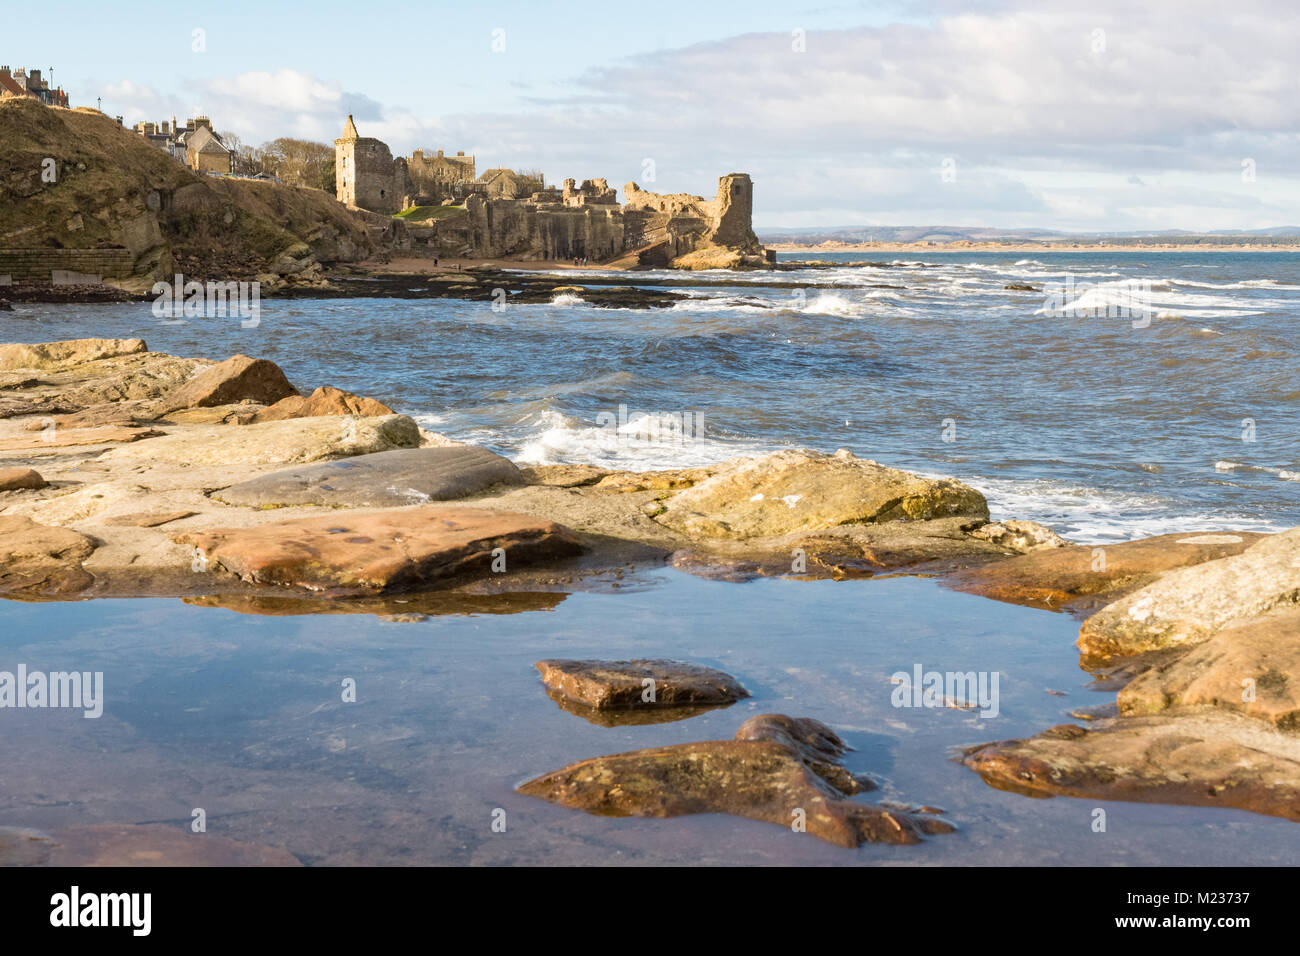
(299, 162)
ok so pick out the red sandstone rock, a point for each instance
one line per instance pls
(236, 379)
(1084, 575)
(382, 551)
(38, 559)
(779, 769)
(20, 479)
(323, 401)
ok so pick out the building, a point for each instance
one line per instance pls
(366, 176)
(204, 151)
(23, 83)
(195, 144)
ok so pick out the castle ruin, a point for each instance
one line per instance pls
(366, 176)
(511, 214)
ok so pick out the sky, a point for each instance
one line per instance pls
(1073, 115)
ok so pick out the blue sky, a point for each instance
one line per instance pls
(1068, 115)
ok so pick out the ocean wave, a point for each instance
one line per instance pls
(641, 442)
(1089, 515)
(1243, 284)
(1143, 297)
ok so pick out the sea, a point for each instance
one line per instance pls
(1110, 395)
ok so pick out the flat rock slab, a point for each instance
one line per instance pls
(1190, 605)
(778, 769)
(1253, 668)
(564, 476)
(287, 442)
(70, 437)
(378, 552)
(21, 479)
(640, 684)
(1080, 576)
(58, 355)
(39, 559)
(1210, 759)
(145, 519)
(155, 844)
(408, 476)
(792, 491)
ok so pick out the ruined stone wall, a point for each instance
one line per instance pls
(512, 228)
(686, 223)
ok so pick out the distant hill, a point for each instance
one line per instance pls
(112, 189)
(942, 234)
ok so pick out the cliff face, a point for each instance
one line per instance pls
(75, 180)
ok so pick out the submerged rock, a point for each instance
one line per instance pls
(405, 476)
(1082, 576)
(792, 491)
(20, 846)
(287, 442)
(1190, 605)
(384, 551)
(639, 684)
(38, 559)
(776, 770)
(155, 844)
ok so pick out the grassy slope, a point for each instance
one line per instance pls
(217, 228)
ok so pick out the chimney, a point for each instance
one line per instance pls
(460, 152)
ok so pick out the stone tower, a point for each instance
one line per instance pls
(365, 174)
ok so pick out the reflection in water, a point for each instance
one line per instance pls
(409, 606)
(619, 717)
(244, 716)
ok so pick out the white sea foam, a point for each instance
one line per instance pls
(1092, 516)
(645, 441)
(832, 303)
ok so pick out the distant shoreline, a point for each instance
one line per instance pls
(1057, 246)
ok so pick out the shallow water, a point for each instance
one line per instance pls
(242, 716)
(1100, 429)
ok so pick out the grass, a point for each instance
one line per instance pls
(429, 213)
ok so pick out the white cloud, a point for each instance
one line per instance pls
(1032, 102)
